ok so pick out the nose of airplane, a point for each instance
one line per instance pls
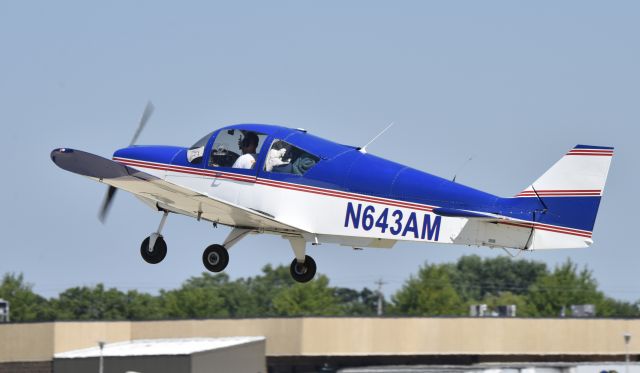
(149, 153)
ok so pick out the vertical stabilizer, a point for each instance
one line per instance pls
(562, 204)
(581, 172)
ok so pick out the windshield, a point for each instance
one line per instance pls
(202, 142)
(195, 152)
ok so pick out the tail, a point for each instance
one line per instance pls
(563, 203)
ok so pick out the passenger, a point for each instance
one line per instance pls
(275, 157)
(248, 145)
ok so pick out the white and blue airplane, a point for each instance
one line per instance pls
(259, 178)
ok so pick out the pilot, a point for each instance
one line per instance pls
(248, 145)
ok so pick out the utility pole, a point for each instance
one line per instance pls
(101, 362)
(380, 296)
(627, 339)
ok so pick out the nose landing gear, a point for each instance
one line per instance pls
(156, 253)
(153, 249)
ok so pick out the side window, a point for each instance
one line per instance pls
(236, 148)
(288, 159)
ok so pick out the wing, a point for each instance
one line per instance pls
(165, 194)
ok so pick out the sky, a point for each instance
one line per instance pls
(512, 85)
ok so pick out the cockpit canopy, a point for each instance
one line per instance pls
(243, 148)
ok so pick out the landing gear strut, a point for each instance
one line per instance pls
(153, 249)
(303, 267)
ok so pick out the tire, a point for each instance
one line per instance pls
(303, 272)
(215, 258)
(158, 253)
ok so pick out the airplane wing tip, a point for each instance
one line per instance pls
(86, 164)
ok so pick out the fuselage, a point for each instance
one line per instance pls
(354, 198)
(347, 193)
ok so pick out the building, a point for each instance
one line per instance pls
(308, 344)
(190, 355)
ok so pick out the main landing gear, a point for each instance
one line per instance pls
(303, 267)
(216, 257)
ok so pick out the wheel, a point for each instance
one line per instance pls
(215, 258)
(303, 272)
(158, 252)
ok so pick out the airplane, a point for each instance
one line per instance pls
(307, 189)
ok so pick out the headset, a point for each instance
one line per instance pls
(248, 139)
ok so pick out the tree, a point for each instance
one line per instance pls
(91, 303)
(430, 293)
(237, 296)
(615, 308)
(314, 298)
(198, 297)
(265, 288)
(143, 306)
(474, 277)
(25, 305)
(357, 303)
(523, 308)
(562, 288)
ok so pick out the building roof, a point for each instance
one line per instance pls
(158, 347)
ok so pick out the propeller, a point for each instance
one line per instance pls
(111, 191)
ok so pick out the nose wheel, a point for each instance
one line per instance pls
(153, 249)
(153, 254)
(303, 272)
(215, 258)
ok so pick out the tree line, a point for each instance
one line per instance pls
(435, 290)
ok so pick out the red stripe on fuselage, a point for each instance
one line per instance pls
(326, 192)
(273, 183)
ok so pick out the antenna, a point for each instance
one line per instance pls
(455, 175)
(363, 149)
(540, 199)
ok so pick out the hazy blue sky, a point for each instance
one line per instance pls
(513, 84)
